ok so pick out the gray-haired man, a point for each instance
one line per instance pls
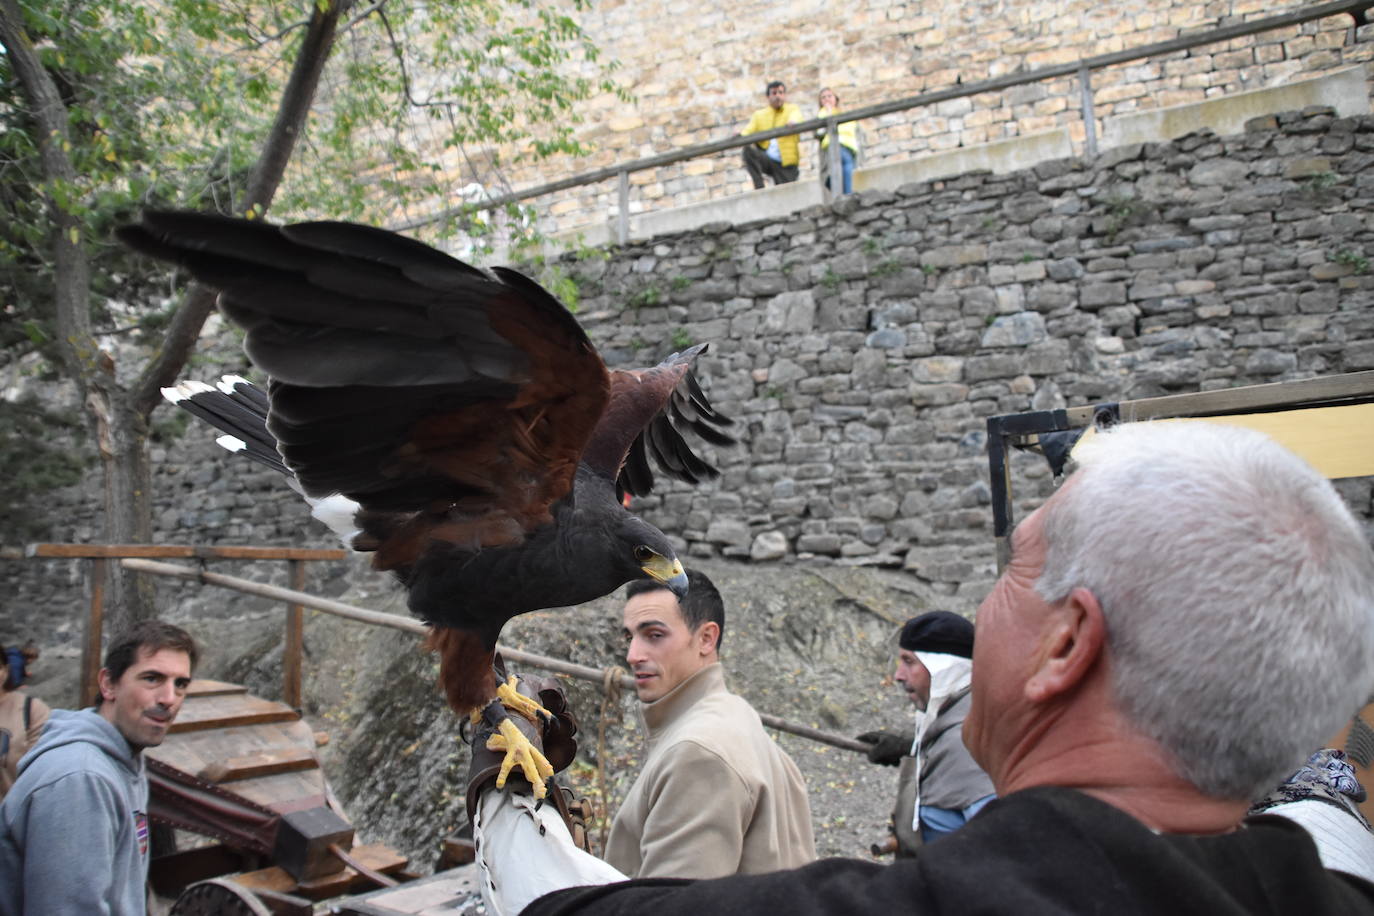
(1178, 626)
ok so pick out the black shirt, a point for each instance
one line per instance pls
(1043, 850)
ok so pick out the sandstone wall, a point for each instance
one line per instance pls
(698, 69)
(861, 346)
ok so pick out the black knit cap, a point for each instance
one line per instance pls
(938, 631)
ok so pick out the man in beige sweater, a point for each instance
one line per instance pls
(717, 796)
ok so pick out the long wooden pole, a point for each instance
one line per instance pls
(396, 622)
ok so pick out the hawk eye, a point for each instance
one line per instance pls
(643, 554)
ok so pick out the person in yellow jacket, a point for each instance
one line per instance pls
(849, 140)
(779, 158)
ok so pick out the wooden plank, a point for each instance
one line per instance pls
(183, 551)
(263, 763)
(1298, 393)
(230, 710)
(377, 857)
(95, 624)
(192, 751)
(204, 687)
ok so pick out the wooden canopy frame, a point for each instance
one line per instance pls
(1329, 421)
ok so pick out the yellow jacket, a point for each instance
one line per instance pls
(848, 131)
(767, 119)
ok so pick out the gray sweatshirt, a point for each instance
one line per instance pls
(74, 829)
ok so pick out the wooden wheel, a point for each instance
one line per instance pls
(218, 897)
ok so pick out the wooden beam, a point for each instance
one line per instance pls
(95, 624)
(375, 857)
(263, 763)
(1349, 386)
(204, 687)
(182, 551)
(295, 641)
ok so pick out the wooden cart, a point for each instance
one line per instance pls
(241, 774)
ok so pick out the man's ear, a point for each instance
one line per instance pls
(107, 684)
(708, 637)
(1077, 635)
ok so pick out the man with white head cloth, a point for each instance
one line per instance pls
(939, 786)
(1178, 626)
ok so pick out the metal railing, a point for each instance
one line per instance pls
(1082, 69)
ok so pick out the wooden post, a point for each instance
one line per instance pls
(1085, 88)
(295, 642)
(95, 623)
(622, 220)
(833, 170)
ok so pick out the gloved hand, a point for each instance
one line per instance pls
(886, 748)
(553, 738)
(560, 742)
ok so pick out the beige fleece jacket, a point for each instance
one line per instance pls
(716, 796)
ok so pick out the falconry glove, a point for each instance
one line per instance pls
(886, 748)
(554, 737)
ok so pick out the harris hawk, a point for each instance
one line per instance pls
(455, 422)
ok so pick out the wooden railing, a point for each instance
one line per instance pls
(297, 599)
(98, 554)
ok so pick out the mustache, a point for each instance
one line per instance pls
(159, 710)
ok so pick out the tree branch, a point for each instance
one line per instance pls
(297, 98)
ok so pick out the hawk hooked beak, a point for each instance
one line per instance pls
(669, 572)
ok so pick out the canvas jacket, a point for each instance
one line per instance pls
(717, 796)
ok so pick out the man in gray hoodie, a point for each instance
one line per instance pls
(74, 828)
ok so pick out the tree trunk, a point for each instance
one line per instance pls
(119, 418)
(122, 439)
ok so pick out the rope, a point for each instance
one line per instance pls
(611, 680)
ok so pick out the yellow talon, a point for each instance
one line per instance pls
(518, 749)
(520, 704)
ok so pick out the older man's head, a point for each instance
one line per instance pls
(1193, 611)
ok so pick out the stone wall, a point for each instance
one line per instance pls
(698, 69)
(860, 346)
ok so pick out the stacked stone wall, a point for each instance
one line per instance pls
(698, 69)
(860, 346)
